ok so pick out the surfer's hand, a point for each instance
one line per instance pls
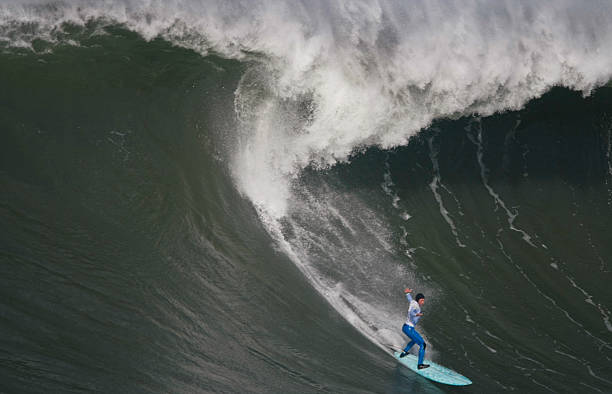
(419, 314)
(407, 290)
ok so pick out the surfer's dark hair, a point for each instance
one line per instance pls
(419, 296)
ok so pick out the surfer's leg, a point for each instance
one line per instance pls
(418, 339)
(422, 352)
(409, 346)
(407, 330)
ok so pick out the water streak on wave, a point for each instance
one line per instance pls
(511, 216)
(435, 183)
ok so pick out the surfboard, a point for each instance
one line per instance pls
(435, 372)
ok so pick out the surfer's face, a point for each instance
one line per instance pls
(421, 301)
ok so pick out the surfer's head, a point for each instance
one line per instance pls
(420, 298)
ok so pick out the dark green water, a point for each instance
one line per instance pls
(132, 261)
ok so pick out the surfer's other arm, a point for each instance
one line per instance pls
(408, 290)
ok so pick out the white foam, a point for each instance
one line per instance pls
(375, 73)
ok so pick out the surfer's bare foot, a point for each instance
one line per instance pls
(423, 366)
(404, 354)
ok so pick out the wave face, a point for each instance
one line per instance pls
(213, 196)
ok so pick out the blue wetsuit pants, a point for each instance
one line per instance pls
(415, 338)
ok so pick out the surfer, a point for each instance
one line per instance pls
(414, 314)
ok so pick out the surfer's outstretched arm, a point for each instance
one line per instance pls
(408, 296)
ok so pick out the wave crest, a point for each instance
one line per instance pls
(343, 76)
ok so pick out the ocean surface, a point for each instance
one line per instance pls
(231, 196)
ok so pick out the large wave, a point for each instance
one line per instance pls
(331, 78)
(325, 81)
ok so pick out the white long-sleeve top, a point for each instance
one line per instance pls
(414, 308)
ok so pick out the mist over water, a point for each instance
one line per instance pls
(262, 179)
